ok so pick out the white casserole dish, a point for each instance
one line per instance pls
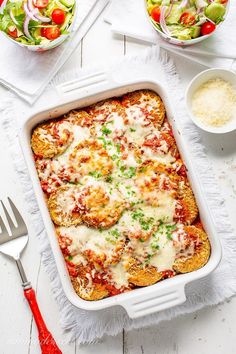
(142, 301)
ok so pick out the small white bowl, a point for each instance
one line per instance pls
(199, 80)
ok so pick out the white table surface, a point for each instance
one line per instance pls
(211, 330)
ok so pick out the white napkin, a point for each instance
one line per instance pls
(87, 326)
(28, 73)
(129, 18)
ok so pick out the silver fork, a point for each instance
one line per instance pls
(12, 246)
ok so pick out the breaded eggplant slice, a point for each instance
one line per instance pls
(161, 143)
(142, 275)
(152, 175)
(201, 253)
(86, 288)
(102, 210)
(103, 111)
(65, 206)
(80, 117)
(89, 157)
(149, 102)
(51, 138)
(186, 209)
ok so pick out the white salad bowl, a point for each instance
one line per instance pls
(52, 44)
(180, 42)
(199, 80)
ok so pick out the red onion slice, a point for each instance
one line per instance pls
(170, 9)
(30, 6)
(183, 4)
(208, 19)
(201, 21)
(163, 21)
(26, 28)
(13, 18)
(29, 13)
(3, 5)
(36, 13)
(201, 4)
(41, 17)
(199, 11)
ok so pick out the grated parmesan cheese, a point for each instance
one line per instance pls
(214, 103)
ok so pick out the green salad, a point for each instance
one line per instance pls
(186, 19)
(36, 22)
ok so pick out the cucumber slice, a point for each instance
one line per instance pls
(68, 3)
(174, 16)
(67, 21)
(196, 31)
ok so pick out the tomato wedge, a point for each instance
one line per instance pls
(51, 33)
(13, 33)
(58, 16)
(41, 4)
(207, 28)
(156, 13)
(187, 19)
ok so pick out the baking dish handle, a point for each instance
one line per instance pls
(165, 298)
(89, 84)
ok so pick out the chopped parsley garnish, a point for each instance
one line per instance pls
(149, 256)
(115, 233)
(127, 172)
(114, 157)
(113, 236)
(155, 246)
(145, 222)
(132, 130)
(104, 141)
(142, 169)
(131, 172)
(105, 130)
(117, 184)
(118, 148)
(167, 229)
(70, 258)
(137, 214)
(109, 179)
(95, 174)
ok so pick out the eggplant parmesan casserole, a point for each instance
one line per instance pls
(118, 194)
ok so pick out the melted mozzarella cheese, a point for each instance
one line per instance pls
(66, 201)
(165, 257)
(85, 238)
(119, 275)
(161, 157)
(130, 161)
(162, 258)
(165, 209)
(117, 122)
(80, 134)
